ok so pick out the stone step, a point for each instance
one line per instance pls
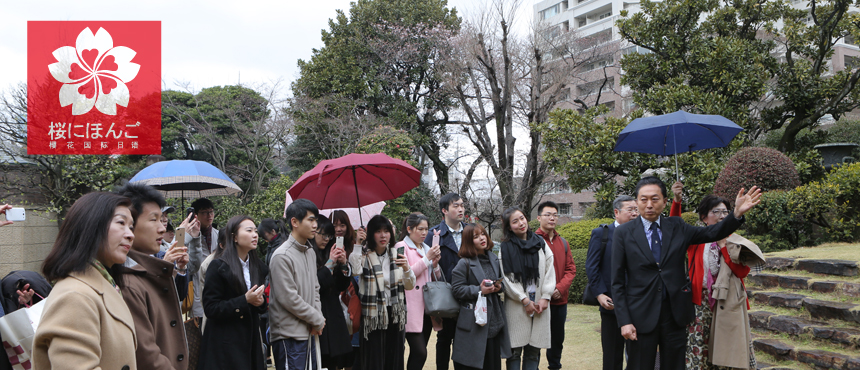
(764, 280)
(826, 310)
(816, 266)
(796, 326)
(777, 299)
(818, 359)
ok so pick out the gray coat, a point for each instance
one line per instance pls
(470, 339)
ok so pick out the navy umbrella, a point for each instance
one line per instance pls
(675, 133)
(186, 179)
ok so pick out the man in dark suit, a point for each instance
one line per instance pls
(450, 237)
(598, 265)
(653, 303)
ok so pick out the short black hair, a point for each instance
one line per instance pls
(299, 209)
(710, 202)
(325, 227)
(170, 228)
(201, 204)
(548, 203)
(447, 199)
(651, 180)
(141, 194)
(376, 223)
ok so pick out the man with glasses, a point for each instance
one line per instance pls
(598, 264)
(202, 240)
(565, 270)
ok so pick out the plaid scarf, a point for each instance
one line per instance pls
(371, 287)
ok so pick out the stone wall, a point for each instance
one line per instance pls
(23, 245)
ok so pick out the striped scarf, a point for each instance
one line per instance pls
(371, 287)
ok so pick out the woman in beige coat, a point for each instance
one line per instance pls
(85, 323)
(529, 278)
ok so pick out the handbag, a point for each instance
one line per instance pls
(189, 299)
(17, 329)
(194, 338)
(589, 298)
(439, 300)
(314, 342)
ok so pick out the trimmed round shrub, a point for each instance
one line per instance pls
(577, 233)
(766, 168)
(776, 224)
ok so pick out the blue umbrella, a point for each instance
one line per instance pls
(186, 179)
(675, 133)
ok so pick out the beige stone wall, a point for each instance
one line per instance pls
(23, 245)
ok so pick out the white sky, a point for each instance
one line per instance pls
(205, 43)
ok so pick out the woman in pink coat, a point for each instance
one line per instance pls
(424, 261)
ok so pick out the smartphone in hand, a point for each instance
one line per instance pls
(435, 240)
(401, 251)
(16, 214)
(179, 237)
(339, 242)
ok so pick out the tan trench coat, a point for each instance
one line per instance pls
(85, 325)
(730, 328)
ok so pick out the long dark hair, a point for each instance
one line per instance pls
(83, 235)
(349, 237)
(378, 222)
(230, 256)
(324, 227)
(508, 234)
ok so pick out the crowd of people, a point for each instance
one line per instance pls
(353, 297)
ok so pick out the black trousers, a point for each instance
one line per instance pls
(444, 338)
(418, 346)
(492, 356)
(557, 318)
(670, 337)
(612, 341)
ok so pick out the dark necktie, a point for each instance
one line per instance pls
(656, 243)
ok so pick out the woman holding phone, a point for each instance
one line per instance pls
(233, 301)
(424, 261)
(383, 281)
(529, 274)
(334, 277)
(479, 346)
(86, 324)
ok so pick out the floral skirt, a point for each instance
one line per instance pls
(698, 336)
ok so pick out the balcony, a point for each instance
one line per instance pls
(598, 25)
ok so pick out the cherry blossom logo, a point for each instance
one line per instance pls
(94, 73)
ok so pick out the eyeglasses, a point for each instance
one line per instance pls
(718, 212)
(631, 210)
(326, 237)
(550, 215)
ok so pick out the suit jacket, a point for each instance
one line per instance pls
(598, 263)
(85, 325)
(638, 280)
(450, 254)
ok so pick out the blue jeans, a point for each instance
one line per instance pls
(530, 359)
(292, 354)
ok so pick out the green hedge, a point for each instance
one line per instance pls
(577, 287)
(578, 233)
(691, 218)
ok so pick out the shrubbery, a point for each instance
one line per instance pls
(578, 233)
(766, 168)
(820, 211)
(691, 218)
(577, 287)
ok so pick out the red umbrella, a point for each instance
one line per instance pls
(355, 180)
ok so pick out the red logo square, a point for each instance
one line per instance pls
(94, 87)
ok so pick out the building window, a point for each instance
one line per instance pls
(850, 62)
(605, 15)
(564, 209)
(550, 12)
(582, 23)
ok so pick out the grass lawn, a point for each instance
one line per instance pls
(581, 341)
(843, 251)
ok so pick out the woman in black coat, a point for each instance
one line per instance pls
(479, 346)
(334, 277)
(233, 302)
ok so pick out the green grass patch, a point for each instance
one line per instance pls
(840, 251)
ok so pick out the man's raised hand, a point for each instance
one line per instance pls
(745, 202)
